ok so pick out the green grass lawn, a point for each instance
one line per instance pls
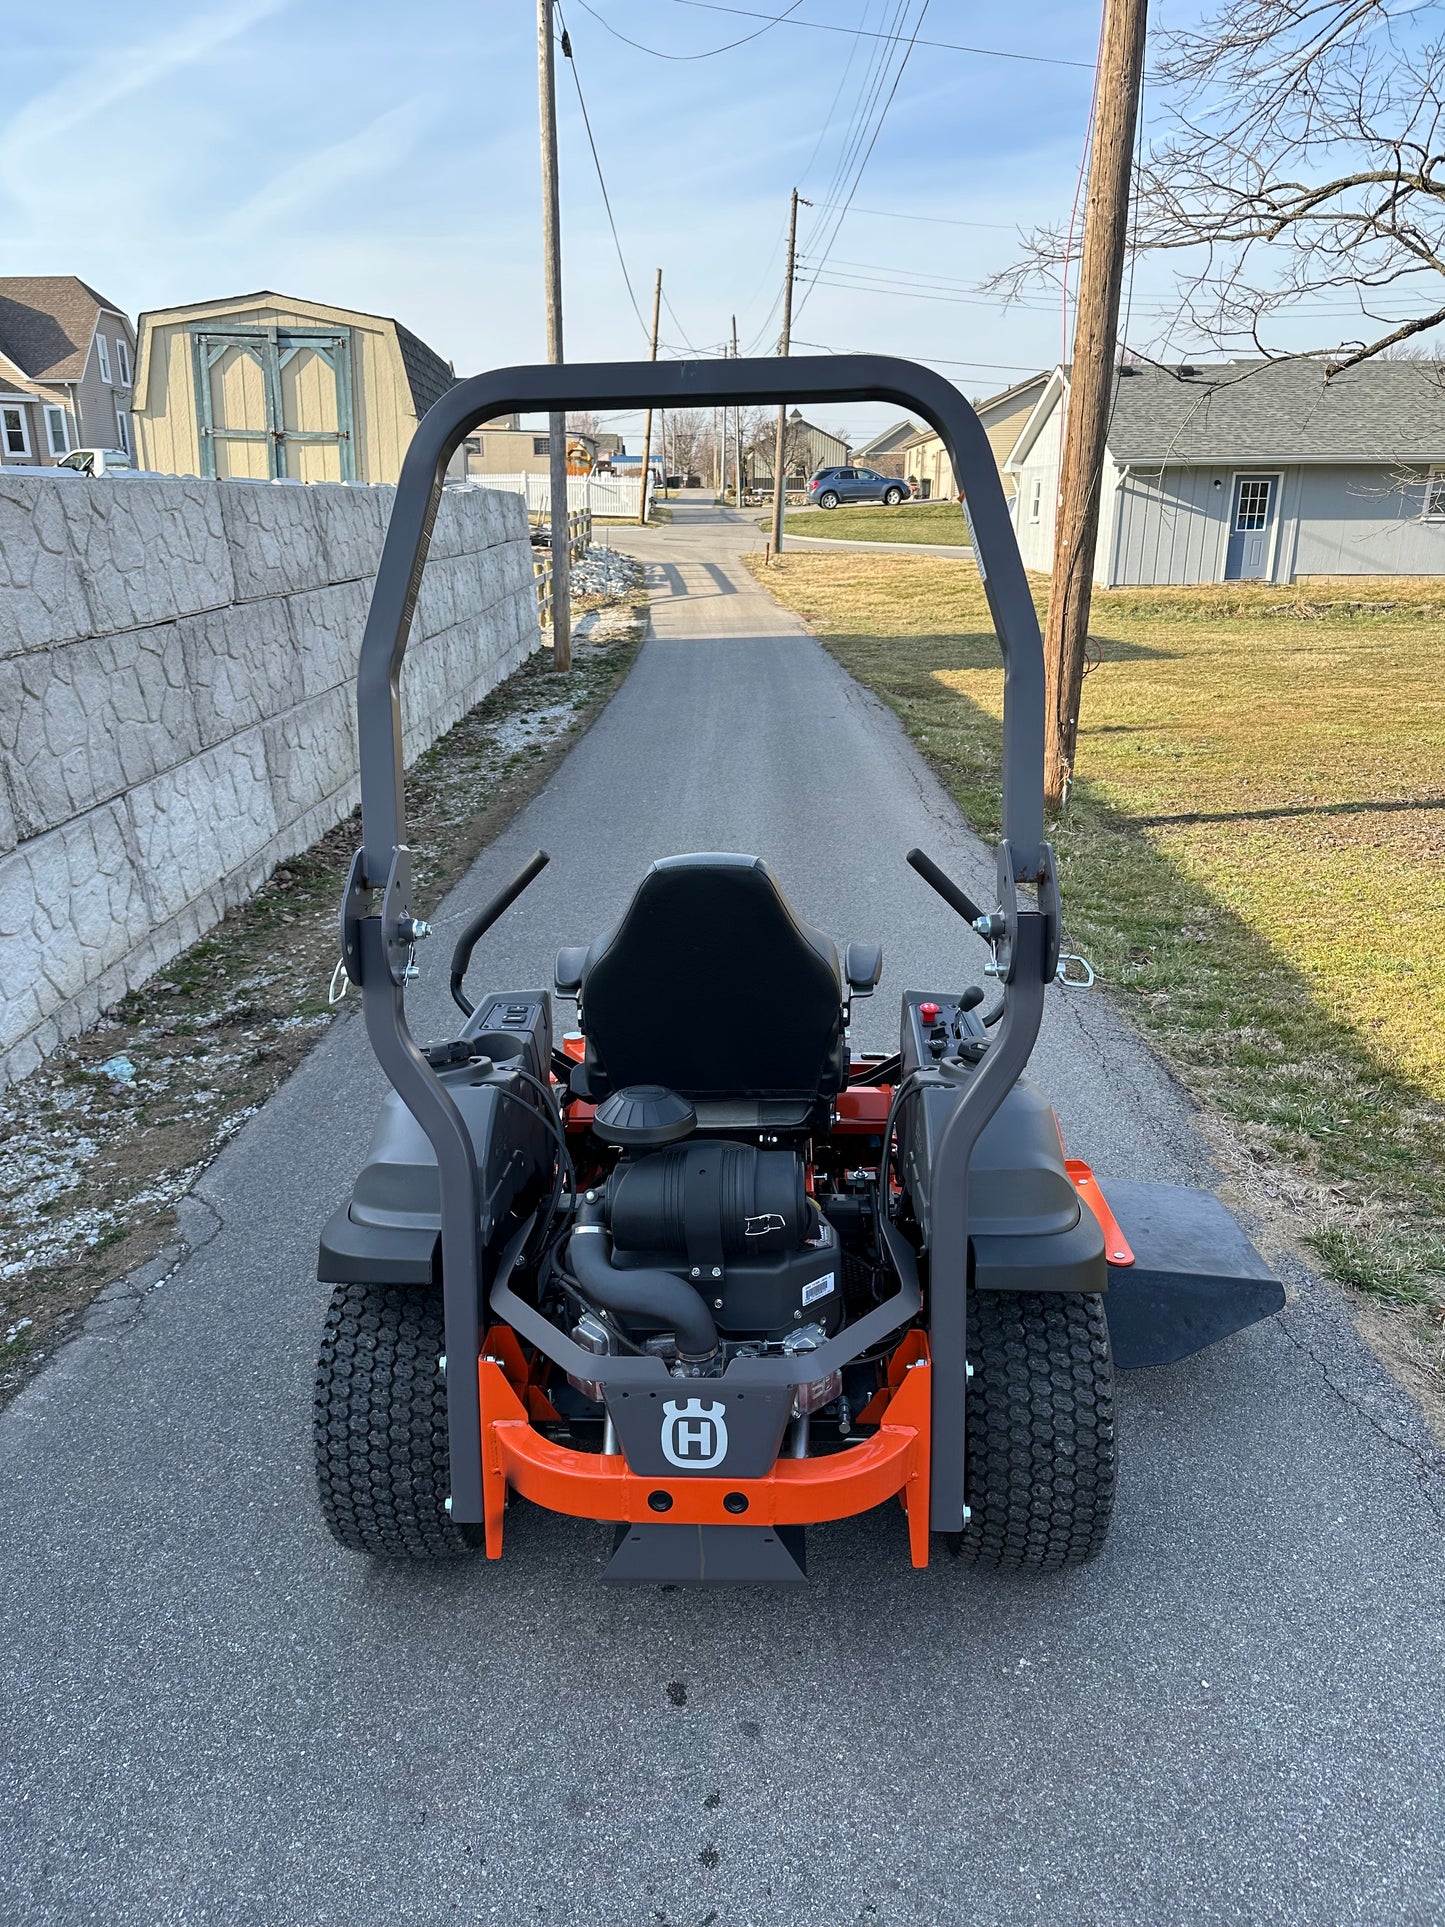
(1254, 859)
(909, 522)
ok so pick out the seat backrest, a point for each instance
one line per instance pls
(711, 986)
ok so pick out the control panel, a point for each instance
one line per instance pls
(938, 1024)
(514, 1025)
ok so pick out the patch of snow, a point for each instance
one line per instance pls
(604, 571)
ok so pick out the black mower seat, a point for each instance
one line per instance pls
(711, 986)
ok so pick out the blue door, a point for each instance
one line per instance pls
(1251, 528)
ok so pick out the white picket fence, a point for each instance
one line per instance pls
(601, 494)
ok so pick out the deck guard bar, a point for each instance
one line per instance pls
(377, 944)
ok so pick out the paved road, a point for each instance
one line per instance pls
(213, 1715)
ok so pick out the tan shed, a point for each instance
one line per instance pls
(265, 386)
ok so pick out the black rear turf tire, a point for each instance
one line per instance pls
(380, 1425)
(1040, 1434)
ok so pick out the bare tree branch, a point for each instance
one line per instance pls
(1302, 154)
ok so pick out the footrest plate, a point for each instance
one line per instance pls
(647, 1555)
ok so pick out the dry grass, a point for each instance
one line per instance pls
(1252, 857)
(863, 522)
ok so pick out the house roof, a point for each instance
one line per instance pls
(1009, 400)
(46, 324)
(889, 440)
(1271, 411)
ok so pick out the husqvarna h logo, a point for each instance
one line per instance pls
(694, 1435)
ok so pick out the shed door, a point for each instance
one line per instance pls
(275, 402)
(1251, 528)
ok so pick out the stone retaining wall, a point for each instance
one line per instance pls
(177, 708)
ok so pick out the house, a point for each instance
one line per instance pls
(504, 447)
(884, 451)
(67, 356)
(925, 459)
(265, 385)
(1252, 470)
(806, 449)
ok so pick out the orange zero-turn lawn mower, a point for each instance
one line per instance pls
(713, 1283)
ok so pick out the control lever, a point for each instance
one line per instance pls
(483, 921)
(988, 923)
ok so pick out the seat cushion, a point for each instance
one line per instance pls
(712, 986)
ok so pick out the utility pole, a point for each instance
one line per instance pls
(647, 431)
(1096, 326)
(552, 267)
(784, 345)
(737, 431)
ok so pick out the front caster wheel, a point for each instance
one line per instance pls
(380, 1425)
(1040, 1430)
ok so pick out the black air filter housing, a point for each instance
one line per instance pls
(710, 1199)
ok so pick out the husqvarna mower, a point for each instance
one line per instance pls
(694, 1267)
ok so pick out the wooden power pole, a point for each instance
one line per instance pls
(737, 433)
(785, 342)
(552, 267)
(1091, 384)
(647, 430)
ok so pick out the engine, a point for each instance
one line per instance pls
(715, 1242)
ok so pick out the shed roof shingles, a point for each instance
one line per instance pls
(1280, 411)
(428, 376)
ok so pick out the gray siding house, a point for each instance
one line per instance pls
(67, 357)
(1262, 471)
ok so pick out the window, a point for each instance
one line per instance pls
(122, 359)
(57, 431)
(1036, 501)
(122, 429)
(541, 444)
(102, 355)
(1434, 510)
(14, 430)
(1252, 510)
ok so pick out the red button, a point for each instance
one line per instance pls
(928, 1012)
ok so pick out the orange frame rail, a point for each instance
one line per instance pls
(1117, 1248)
(587, 1485)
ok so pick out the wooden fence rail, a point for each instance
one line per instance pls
(579, 540)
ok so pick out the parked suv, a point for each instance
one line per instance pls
(830, 486)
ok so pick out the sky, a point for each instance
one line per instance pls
(385, 157)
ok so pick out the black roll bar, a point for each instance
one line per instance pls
(379, 944)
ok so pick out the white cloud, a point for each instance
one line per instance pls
(315, 177)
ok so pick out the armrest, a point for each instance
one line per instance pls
(862, 967)
(571, 962)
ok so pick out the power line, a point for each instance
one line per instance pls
(597, 163)
(940, 220)
(932, 361)
(773, 20)
(873, 142)
(826, 26)
(680, 329)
